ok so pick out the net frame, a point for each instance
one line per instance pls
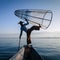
(24, 13)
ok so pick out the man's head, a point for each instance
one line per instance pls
(21, 23)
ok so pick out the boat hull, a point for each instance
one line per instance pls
(27, 53)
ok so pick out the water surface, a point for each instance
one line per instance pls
(47, 47)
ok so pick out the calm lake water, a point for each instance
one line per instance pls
(47, 47)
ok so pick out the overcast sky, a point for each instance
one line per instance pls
(8, 21)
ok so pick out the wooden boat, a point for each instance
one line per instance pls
(27, 53)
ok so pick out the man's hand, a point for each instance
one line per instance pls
(25, 19)
(39, 25)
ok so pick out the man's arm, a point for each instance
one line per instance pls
(26, 21)
(20, 34)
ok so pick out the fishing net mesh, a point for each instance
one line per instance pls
(36, 16)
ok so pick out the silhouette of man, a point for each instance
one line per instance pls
(28, 31)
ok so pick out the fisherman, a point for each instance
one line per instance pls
(28, 31)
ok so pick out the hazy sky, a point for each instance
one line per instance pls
(8, 21)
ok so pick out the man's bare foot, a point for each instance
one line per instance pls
(29, 45)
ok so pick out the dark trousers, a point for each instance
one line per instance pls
(29, 32)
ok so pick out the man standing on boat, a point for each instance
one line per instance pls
(28, 31)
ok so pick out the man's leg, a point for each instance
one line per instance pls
(28, 36)
(29, 32)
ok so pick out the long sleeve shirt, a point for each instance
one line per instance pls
(23, 28)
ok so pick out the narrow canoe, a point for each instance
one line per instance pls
(26, 53)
